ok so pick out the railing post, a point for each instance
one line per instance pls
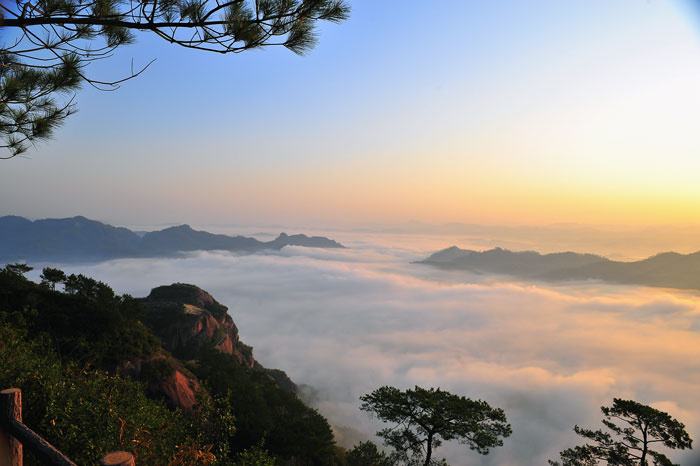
(10, 411)
(11, 448)
(118, 458)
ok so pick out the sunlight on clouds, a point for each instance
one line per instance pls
(345, 322)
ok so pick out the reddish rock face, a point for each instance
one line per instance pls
(187, 318)
(180, 390)
(166, 376)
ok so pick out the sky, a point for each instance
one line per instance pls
(344, 322)
(500, 112)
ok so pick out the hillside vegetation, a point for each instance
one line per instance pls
(165, 377)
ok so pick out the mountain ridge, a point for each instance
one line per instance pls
(665, 269)
(78, 238)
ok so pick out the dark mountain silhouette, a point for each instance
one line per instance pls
(56, 239)
(184, 238)
(669, 270)
(82, 239)
(305, 241)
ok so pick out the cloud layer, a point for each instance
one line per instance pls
(345, 322)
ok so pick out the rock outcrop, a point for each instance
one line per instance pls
(165, 376)
(187, 319)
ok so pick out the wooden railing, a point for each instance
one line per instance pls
(15, 436)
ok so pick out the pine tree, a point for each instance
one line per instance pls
(633, 433)
(45, 45)
(423, 418)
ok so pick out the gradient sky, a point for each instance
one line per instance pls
(499, 111)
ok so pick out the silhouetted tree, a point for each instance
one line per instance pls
(47, 43)
(632, 430)
(367, 454)
(18, 269)
(424, 418)
(51, 277)
(88, 287)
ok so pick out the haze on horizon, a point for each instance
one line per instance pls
(344, 321)
(504, 112)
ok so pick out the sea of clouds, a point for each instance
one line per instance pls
(344, 322)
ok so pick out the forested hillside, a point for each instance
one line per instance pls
(165, 377)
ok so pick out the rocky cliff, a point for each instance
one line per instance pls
(164, 375)
(187, 319)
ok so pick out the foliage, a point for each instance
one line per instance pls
(255, 456)
(368, 454)
(423, 418)
(632, 430)
(52, 277)
(52, 41)
(88, 324)
(87, 413)
(266, 415)
(67, 349)
(29, 109)
(18, 269)
(156, 369)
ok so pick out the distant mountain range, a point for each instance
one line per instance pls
(81, 239)
(669, 270)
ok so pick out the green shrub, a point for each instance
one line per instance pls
(87, 413)
(89, 325)
(266, 415)
(255, 456)
(65, 349)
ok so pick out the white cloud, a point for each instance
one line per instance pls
(348, 321)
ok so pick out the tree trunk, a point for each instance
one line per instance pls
(645, 443)
(428, 450)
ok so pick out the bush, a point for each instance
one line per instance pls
(255, 456)
(87, 413)
(89, 325)
(266, 415)
(66, 349)
(367, 454)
